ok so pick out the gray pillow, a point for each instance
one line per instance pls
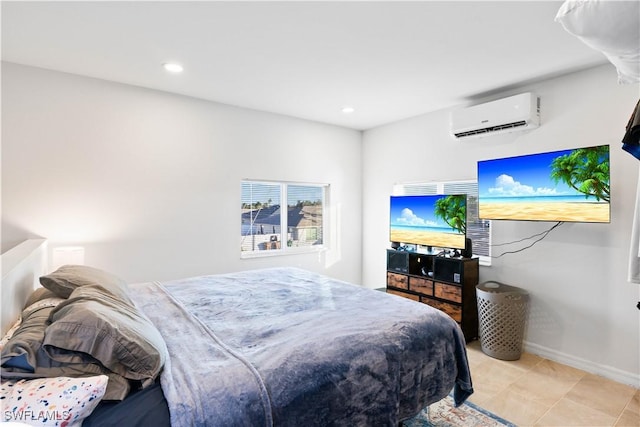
(110, 330)
(118, 387)
(21, 350)
(67, 278)
(39, 295)
(23, 357)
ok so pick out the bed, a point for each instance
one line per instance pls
(277, 346)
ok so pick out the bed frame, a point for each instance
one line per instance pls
(22, 267)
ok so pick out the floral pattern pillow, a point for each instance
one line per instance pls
(60, 401)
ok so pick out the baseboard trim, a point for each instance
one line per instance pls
(610, 372)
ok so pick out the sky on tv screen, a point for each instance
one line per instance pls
(523, 177)
(416, 211)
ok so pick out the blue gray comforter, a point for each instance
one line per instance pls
(288, 347)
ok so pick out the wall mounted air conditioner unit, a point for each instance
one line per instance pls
(518, 112)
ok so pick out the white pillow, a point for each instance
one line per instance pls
(12, 330)
(51, 401)
(612, 27)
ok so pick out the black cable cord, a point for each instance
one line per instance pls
(526, 238)
(543, 234)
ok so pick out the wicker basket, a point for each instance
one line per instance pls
(502, 312)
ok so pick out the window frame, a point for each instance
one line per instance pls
(285, 249)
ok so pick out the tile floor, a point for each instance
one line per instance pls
(534, 391)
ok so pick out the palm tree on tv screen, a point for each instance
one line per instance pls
(453, 211)
(586, 170)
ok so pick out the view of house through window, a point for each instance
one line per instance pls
(267, 224)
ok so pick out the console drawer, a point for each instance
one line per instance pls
(448, 292)
(423, 286)
(397, 280)
(455, 311)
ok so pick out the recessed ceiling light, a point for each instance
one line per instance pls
(172, 67)
(347, 109)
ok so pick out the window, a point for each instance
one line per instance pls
(268, 229)
(479, 231)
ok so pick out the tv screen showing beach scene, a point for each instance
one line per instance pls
(568, 185)
(429, 220)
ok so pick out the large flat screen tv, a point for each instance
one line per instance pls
(429, 220)
(567, 185)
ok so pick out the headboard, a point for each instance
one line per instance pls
(22, 267)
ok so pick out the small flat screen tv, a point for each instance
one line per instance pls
(565, 186)
(429, 220)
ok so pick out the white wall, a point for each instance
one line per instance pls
(149, 182)
(583, 309)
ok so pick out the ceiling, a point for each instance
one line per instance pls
(388, 60)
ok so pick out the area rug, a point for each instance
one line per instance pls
(445, 414)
